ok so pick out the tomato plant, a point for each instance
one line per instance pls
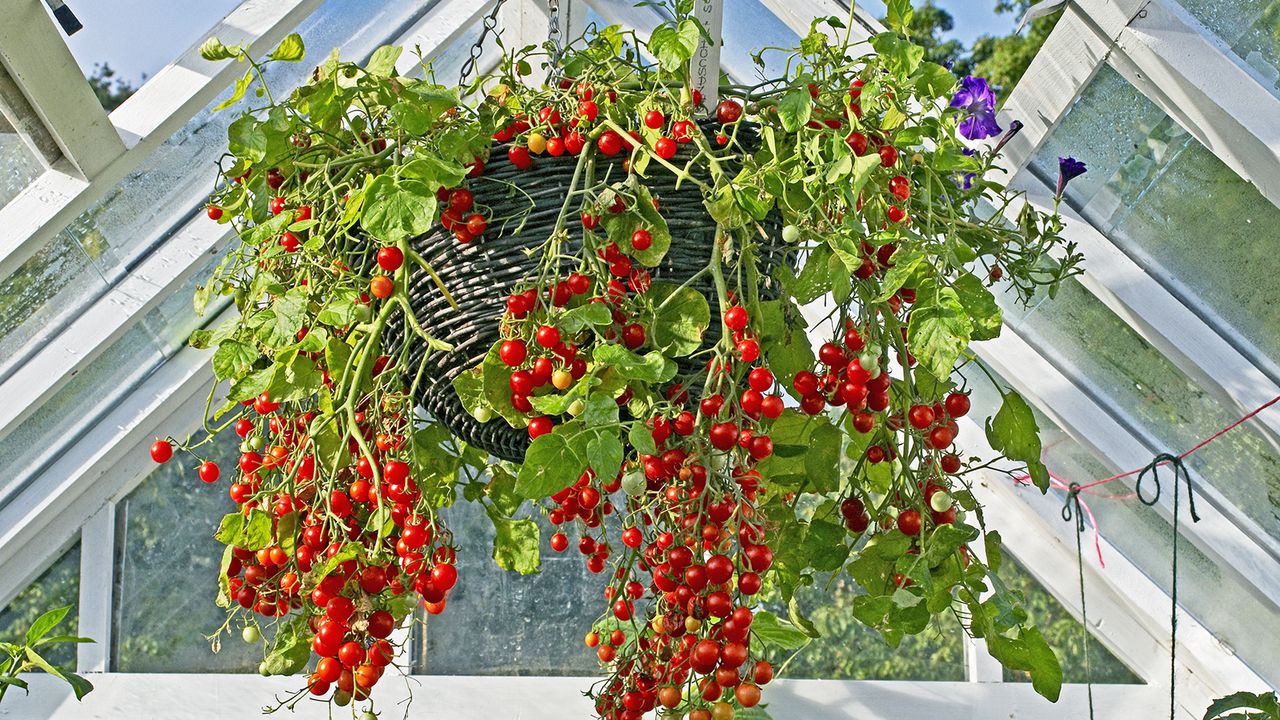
(689, 439)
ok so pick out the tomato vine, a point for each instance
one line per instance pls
(681, 423)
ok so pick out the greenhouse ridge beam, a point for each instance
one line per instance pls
(161, 106)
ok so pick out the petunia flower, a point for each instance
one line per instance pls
(1069, 168)
(978, 101)
(1015, 127)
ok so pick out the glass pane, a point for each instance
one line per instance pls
(168, 573)
(531, 625)
(849, 650)
(1062, 632)
(1172, 205)
(140, 213)
(41, 438)
(18, 165)
(1098, 351)
(56, 587)
(42, 295)
(1250, 27)
(1213, 595)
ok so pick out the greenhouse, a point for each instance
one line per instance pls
(681, 359)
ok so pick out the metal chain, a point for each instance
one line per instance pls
(553, 35)
(490, 26)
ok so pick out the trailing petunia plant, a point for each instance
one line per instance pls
(736, 351)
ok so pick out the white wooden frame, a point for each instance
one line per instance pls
(132, 131)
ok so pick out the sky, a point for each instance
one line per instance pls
(139, 37)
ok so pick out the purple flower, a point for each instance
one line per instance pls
(1069, 168)
(1015, 127)
(978, 100)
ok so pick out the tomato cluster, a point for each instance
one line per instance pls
(345, 547)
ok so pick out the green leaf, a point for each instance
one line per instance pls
(249, 533)
(604, 453)
(233, 359)
(653, 367)
(383, 60)
(898, 14)
(905, 265)
(939, 331)
(794, 109)
(79, 685)
(900, 54)
(251, 385)
(551, 464)
(247, 140)
(674, 47)
(681, 316)
(933, 81)
(1013, 433)
(290, 49)
(577, 319)
(349, 551)
(340, 309)
(1043, 664)
(278, 325)
(783, 337)
(825, 543)
(495, 377)
(772, 631)
(242, 85)
(213, 50)
(394, 209)
(980, 304)
(515, 543)
(46, 623)
(433, 171)
(640, 214)
(1265, 703)
(806, 451)
(296, 377)
(290, 649)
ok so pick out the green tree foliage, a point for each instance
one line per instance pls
(1002, 59)
(111, 89)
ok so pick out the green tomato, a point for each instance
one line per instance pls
(256, 442)
(369, 715)
(940, 502)
(483, 414)
(576, 407)
(791, 233)
(633, 483)
(262, 669)
(251, 634)
(341, 698)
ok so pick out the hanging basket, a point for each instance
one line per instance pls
(481, 274)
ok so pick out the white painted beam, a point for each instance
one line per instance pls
(438, 29)
(97, 586)
(38, 60)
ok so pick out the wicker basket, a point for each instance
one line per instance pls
(480, 275)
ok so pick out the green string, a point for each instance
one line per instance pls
(1179, 472)
(1072, 510)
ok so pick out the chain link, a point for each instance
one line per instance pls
(490, 26)
(553, 36)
